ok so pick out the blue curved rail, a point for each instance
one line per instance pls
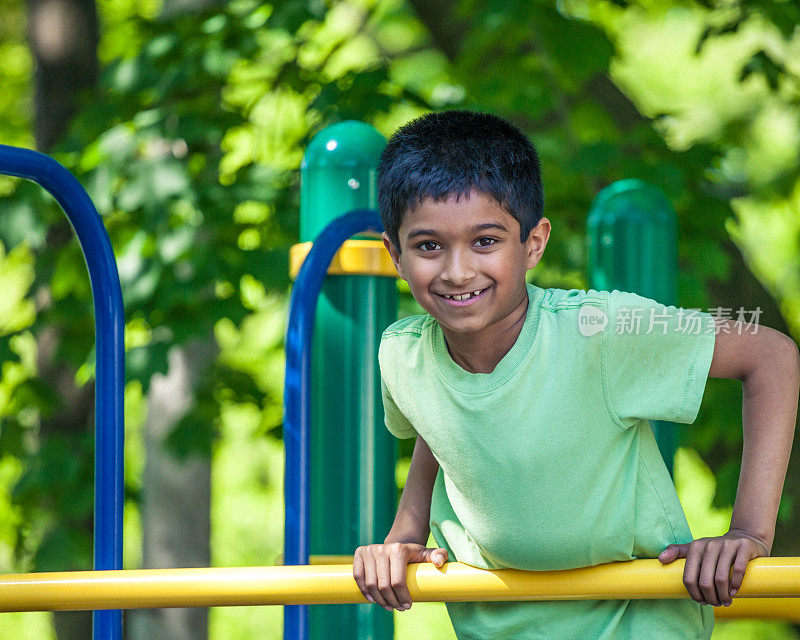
(110, 358)
(297, 395)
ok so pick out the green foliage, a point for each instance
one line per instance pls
(70, 498)
(16, 272)
(151, 166)
(147, 147)
(15, 77)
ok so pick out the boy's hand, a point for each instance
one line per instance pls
(707, 573)
(380, 571)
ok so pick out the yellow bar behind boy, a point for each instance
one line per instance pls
(530, 406)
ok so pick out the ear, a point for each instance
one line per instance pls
(387, 242)
(536, 242)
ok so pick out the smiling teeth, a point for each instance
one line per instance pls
(464, 296)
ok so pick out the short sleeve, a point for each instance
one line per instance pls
(397, 424)
(655, 359)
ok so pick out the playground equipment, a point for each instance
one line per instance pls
(328, 584)
(633, 246)
(771, 585)
(339, 476)
(110, 358)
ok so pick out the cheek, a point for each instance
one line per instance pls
(419, 274)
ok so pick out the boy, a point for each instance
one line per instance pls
(533, 449)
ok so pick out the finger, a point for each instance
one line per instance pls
(743, 556)
(708, 569)
(672, 552)
(691, 571)
(722, 576)
(398, 578)
(417, 553)
(358, 574)
(371, 574)
(384, 569)
(436, 556)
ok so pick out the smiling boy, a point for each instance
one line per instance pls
(533, 447)
(480, 329)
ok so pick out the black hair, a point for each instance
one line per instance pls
(453, 152)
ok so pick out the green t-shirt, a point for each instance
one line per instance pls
(549, 462)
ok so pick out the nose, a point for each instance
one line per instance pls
(458, 269)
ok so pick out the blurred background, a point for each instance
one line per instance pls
(186, 121)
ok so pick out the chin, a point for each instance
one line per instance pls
(461, 328)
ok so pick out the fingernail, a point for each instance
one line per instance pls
(733, 592)
(370, 599)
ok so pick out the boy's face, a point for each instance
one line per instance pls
(461, 247)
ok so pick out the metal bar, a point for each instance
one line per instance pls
(334, 584)
(355, 257)
(109, 361)
(297, 388)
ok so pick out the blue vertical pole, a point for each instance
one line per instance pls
(351, 504)
(297, 396)
(109, 360)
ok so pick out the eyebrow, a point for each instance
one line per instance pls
(478, 227)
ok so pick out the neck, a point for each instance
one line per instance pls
(479, 352)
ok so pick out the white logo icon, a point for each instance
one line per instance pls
(591, 320)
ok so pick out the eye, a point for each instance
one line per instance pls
(490, 242)
(422, 245)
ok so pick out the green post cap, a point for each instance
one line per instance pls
(632, 241)
(338, 174)
(632, 199)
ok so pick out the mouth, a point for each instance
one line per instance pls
(463, 299)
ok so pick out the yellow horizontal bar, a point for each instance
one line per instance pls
(766, 608)
(354, 257)
(331, 584)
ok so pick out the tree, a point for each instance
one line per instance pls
(63, 35)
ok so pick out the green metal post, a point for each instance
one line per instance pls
(352, 454)
(633, 246)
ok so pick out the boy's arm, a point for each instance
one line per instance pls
(380, 569)
(411, 524)
(768, 364)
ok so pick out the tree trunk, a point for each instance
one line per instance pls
(176, 495)
(63, 36)
(75, 418)
(172, 8)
